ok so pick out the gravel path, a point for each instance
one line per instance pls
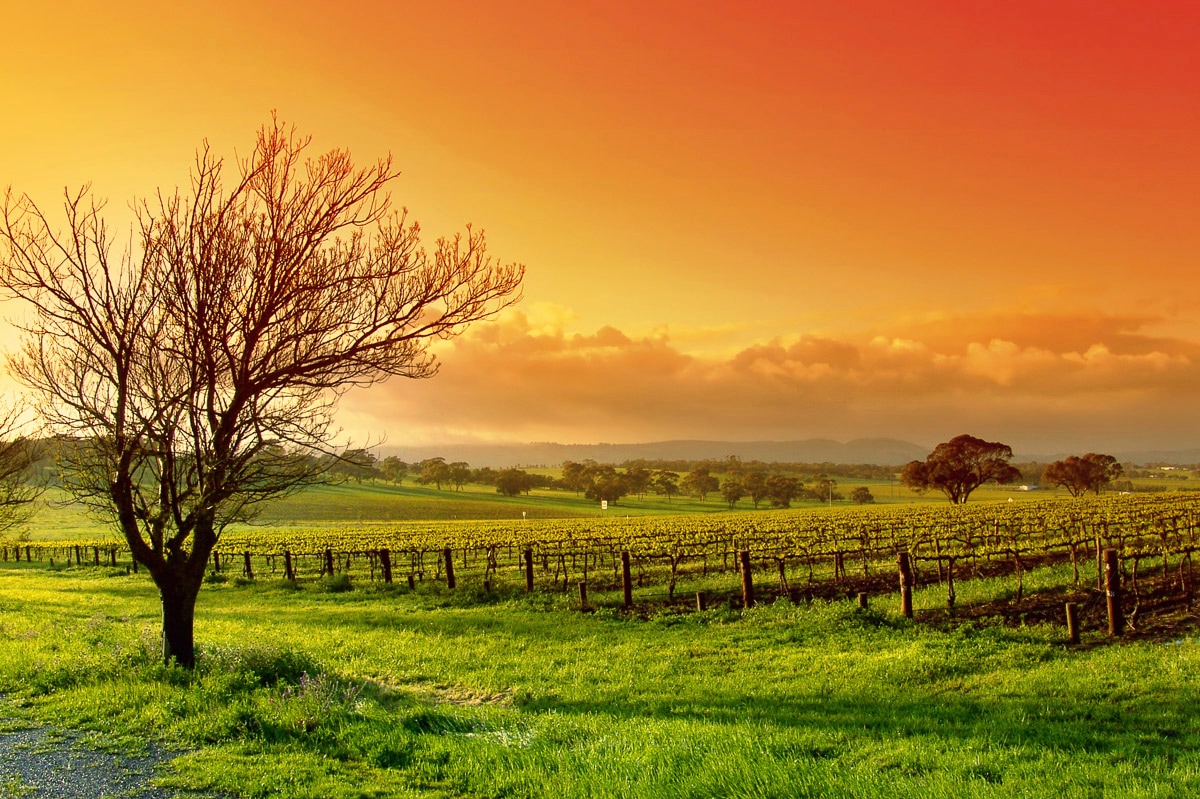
(35, 763)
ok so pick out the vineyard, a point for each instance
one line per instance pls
(815, 552)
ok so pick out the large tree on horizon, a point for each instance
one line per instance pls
(1092, 472)
(958, 466)
(200, 367)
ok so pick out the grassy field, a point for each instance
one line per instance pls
(58, 518)
(311, 692)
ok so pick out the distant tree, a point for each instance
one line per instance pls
(511, 482)
(782, 489)
(576, 476)
(393, 469)
(354, 464)
(755, 484)
(18, 454)
(700, 482)
(861, 495)
(434, 470)
(1092, 472)
(959, 466)
(822, 489)
(638, 479)
(484, 476)
(665, 483)
(458, 474)
(607, 485)
(732, 490)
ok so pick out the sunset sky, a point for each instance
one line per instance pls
(740, 221)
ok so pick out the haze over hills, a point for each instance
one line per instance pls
(877, 451)
(882, 451)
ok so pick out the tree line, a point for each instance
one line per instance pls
(959, 466)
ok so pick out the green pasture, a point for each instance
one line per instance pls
(318, 691)
(58, 517)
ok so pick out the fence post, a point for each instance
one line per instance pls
(626, 580)
(247, 569)
(328, 569)
(863, 600)
(528, 570)
(906, 581)
(747, 578)
(701, 601)
(288, 572)
(583, 604)
(950, 596)
(449, 556)
(385, 563)
(1112, 588)
(1072, 622)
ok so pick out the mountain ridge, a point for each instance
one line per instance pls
(878, 451)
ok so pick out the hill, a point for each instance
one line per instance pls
(880, 451)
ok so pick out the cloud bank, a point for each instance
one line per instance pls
(1041, 382)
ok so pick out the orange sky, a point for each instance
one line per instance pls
(740, 221)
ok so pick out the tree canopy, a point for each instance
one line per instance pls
(1078, 475)
(200, 368)
(958, 466)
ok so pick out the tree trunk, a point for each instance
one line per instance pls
(178, 618)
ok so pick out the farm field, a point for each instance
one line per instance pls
(339, 684)
(372, 692)
(372, 502)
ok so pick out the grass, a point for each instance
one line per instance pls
(58, 518)
(303, 691)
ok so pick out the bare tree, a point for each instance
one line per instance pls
(18, 453)
(200, 369)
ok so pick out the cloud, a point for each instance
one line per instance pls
(1038, 381)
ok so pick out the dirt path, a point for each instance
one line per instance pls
(41, 762)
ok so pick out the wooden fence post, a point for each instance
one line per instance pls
(701, 601)
(747, 579)
(247, 569)
(385, 563)
(288, 572)
(528, 570)
(950, 596)
(626, 580)
(1112, 589)
(328, 568)
(583, 605)
(1072, 622)
(449, 557)
(863, 600)
(906, 581)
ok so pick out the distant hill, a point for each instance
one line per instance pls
(879, 451)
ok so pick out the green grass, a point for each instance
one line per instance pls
(302, 692)
(58, 518)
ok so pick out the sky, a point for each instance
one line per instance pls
(739, 221)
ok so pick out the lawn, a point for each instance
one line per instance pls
(310, 692)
